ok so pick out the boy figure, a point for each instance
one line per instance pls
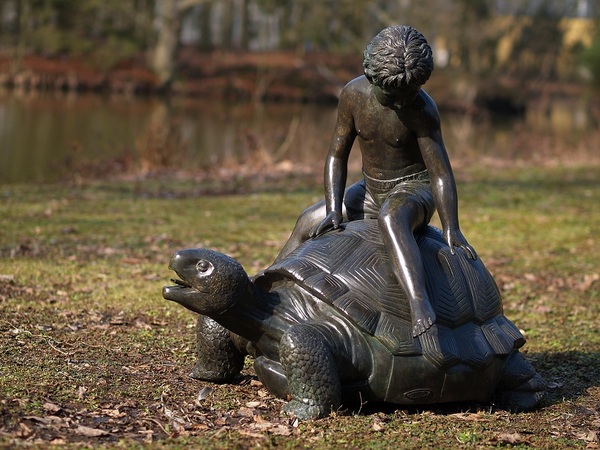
(398, 128)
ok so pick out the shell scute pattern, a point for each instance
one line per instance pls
(485, 296)
(452, 297)
(351, 271)
(499, 340)
(397, 336)
(440, 347)
(473, 346)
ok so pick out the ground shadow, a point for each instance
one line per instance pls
(569, 374)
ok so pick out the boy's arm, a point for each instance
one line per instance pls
(336, 164)
(443, 185)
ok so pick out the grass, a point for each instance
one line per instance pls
(93, 356)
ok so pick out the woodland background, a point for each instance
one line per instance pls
(162, 45)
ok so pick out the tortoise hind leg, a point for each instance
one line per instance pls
(312, 375)
(520, 388)
(218, 357)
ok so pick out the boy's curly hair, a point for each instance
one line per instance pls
(398, 56)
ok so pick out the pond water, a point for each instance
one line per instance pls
(44, 136)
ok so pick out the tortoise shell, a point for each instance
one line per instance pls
(350, 269)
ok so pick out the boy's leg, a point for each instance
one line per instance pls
(400, 215)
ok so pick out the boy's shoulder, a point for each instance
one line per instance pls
(426, 104)
(359, 85)
(354, 94)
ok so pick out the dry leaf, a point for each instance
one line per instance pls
(115, 413)
(259, 420)
(253, 404)
(245, 412)
(119, 319)
(588, 436)
(81, 390)
(51, 407)
(377, 426)
(204, 393)
(251, 434)
(588, 281)
(24, 431)
(281, 430)
(45, 420)
(511, 438)
(90, 432)
(470, 417)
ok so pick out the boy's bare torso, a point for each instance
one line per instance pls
(387, 137)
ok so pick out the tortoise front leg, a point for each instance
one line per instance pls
(218, 357)
(312, 375)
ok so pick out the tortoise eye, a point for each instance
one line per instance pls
(204, 267)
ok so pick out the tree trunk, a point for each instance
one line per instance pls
(242, 36)
(163, 57)
(228, 15)
(164, 54)
(206, 42)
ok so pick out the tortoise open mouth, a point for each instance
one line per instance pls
(180, 291)
(181, 283)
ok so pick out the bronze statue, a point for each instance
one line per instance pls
(356, 309)
(406, 169)
(329, 325)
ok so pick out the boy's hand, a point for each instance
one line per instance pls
(331, 222)
(455, 238)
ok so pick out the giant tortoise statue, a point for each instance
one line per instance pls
(329, 324)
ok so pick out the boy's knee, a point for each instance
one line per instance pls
(398, 215)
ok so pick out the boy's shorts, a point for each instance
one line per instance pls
(364, 200)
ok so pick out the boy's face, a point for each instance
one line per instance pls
(395, 98)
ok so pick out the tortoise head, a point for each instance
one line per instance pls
(209, 283)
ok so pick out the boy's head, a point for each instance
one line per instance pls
(398, 57)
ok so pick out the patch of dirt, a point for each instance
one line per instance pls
(104, 376)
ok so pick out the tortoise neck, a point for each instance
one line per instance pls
(250, 313)
(260, 317)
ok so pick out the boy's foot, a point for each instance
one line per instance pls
(423, 316)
